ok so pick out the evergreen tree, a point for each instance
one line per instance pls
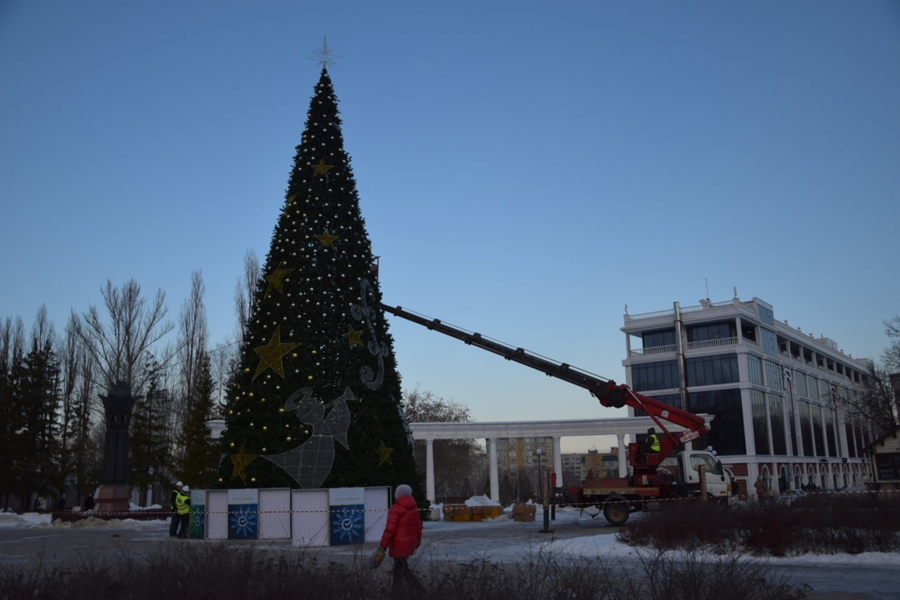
(36, 381)
(11, 413)
(148, 446)
(198, 464)
(316, 400)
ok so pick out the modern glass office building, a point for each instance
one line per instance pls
(777, 395)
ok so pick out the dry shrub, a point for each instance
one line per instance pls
(218, 571)
(818, 523)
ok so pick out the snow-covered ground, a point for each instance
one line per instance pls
(590, 544)
(871, 574)
(606, 544)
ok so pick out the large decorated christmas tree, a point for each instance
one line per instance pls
(316, 401)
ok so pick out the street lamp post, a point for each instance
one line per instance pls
(150, 487)
(545, 499)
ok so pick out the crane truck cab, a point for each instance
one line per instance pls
(703, 474)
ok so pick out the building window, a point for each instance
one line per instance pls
(765, 315)
(655, 376)
(801, 384)
(776, 416)
(817, 429)
(806, 427)
(654, 339)
(831, 432)
(711, 331)
(774, 377)
(851, 439)
(813, 387)
(888, 466)
(768, 341)
(754, 369)
(712, 370)
(748, 331)
(727, 432)
(792, 425)
(760, 422)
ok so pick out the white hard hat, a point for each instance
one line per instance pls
(186, 488)
(178, 484)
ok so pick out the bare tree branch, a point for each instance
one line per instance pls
(243, 293)
(120, 343)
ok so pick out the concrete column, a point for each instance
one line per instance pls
(620, 444)
(429, 470)
(494, 472)
(557, 461)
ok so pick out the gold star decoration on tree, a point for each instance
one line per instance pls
(275, 279)
(270, 355)
(354, 336)
(326, 240)
(239, 463)
(321, 168)
(384, 454)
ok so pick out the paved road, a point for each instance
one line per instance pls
(48, 545)
(444, 542)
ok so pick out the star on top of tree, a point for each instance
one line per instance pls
(324, 55)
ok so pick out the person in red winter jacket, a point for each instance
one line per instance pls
(402, 535)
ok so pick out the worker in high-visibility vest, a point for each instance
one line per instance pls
(651, 442)
(183, 509)
(173, 525)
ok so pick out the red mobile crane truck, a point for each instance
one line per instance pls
(697, 473)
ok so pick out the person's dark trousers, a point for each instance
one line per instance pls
(173, 525)
(404, 580)
(184, 522)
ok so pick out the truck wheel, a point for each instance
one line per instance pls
(615, 511)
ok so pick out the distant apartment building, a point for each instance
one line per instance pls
(517, 454)
(777, 394)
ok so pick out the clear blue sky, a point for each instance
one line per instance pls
(525, 169)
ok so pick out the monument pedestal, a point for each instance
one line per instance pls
(113, 498)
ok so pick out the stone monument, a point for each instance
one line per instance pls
(114, 493)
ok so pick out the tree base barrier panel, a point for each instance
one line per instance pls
(318, 517)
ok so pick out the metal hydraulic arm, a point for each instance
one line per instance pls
(605, 390)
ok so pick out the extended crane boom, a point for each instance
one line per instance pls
(605, 390)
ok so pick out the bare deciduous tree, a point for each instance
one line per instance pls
(192, 351)
(243, 293)
(458, 464)
(120, 343)
(892, 354)
(877, 404)
(192, 335)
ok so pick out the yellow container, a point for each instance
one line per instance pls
(456, 512)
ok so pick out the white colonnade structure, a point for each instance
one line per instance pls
(492, 431)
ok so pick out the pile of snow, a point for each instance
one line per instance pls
(11, 519)
(480, 501)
